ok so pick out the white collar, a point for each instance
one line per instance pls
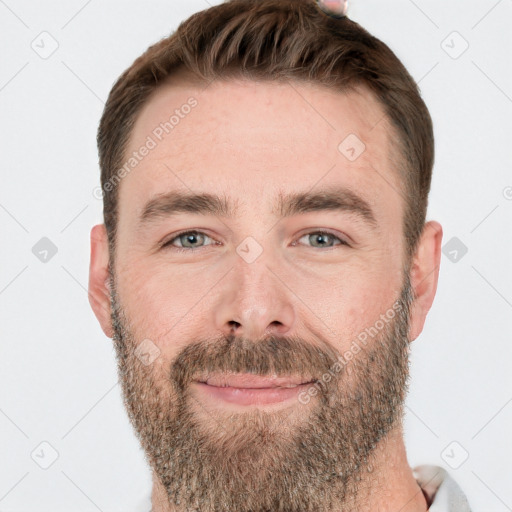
(441, 489)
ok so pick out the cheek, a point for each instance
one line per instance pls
(161, 303)
(349, 300)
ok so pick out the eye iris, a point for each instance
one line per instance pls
(322, 237)
(189, 237)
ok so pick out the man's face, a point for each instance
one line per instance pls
(290, 290)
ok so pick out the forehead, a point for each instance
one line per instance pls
(253, 140)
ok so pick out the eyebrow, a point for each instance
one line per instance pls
(286, 204)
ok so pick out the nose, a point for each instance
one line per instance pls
(255, 302)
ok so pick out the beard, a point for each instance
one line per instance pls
(306, 457)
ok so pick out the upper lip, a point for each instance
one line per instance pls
(246, 380)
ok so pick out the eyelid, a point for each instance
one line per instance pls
(321, 231)
(168, 242)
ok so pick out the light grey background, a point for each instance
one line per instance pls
(58, 382)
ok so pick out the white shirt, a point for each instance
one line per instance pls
(441, 489)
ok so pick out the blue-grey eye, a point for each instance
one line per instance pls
(322, 239)
(188, 240)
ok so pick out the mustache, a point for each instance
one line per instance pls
(273, 355)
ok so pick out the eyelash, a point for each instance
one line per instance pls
(168, 244)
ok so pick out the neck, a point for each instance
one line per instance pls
(389, 487)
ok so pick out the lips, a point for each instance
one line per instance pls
(250, 381)
(249, 389)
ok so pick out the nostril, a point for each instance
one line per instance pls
(234, 325)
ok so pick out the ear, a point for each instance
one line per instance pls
(99, 289)
(424, 275)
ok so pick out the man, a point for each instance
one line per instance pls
(265, 262)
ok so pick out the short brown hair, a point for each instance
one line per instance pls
(277, 40)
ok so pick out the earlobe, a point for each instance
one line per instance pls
(424, 275)
(99, 290)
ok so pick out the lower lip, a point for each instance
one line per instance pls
(251, 396)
